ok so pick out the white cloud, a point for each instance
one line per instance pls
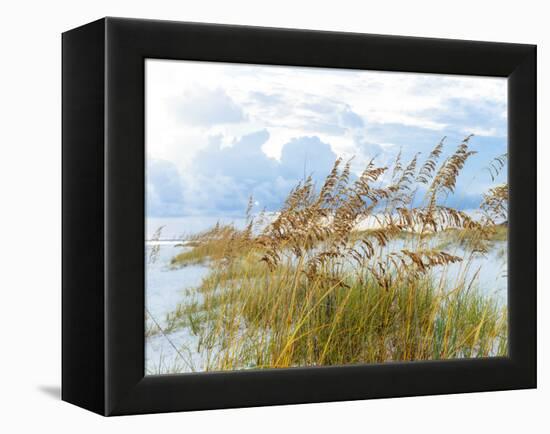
(206, 107)
(223, 178)
(220, 124)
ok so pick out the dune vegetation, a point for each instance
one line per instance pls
(311, 285)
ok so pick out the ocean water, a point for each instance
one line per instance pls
(176, 228)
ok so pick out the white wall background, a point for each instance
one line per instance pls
(30, 214)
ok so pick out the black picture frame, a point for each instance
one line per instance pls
(103, 215)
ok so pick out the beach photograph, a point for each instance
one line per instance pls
(303, 217)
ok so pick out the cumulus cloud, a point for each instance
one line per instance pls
(164, 194)
(305, 156)
(350, 119)
(221, 179)
(367, 148)
(202, 106)
(236, 130)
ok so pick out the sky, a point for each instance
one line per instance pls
(217, 133)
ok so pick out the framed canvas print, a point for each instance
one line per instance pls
(257, 216)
